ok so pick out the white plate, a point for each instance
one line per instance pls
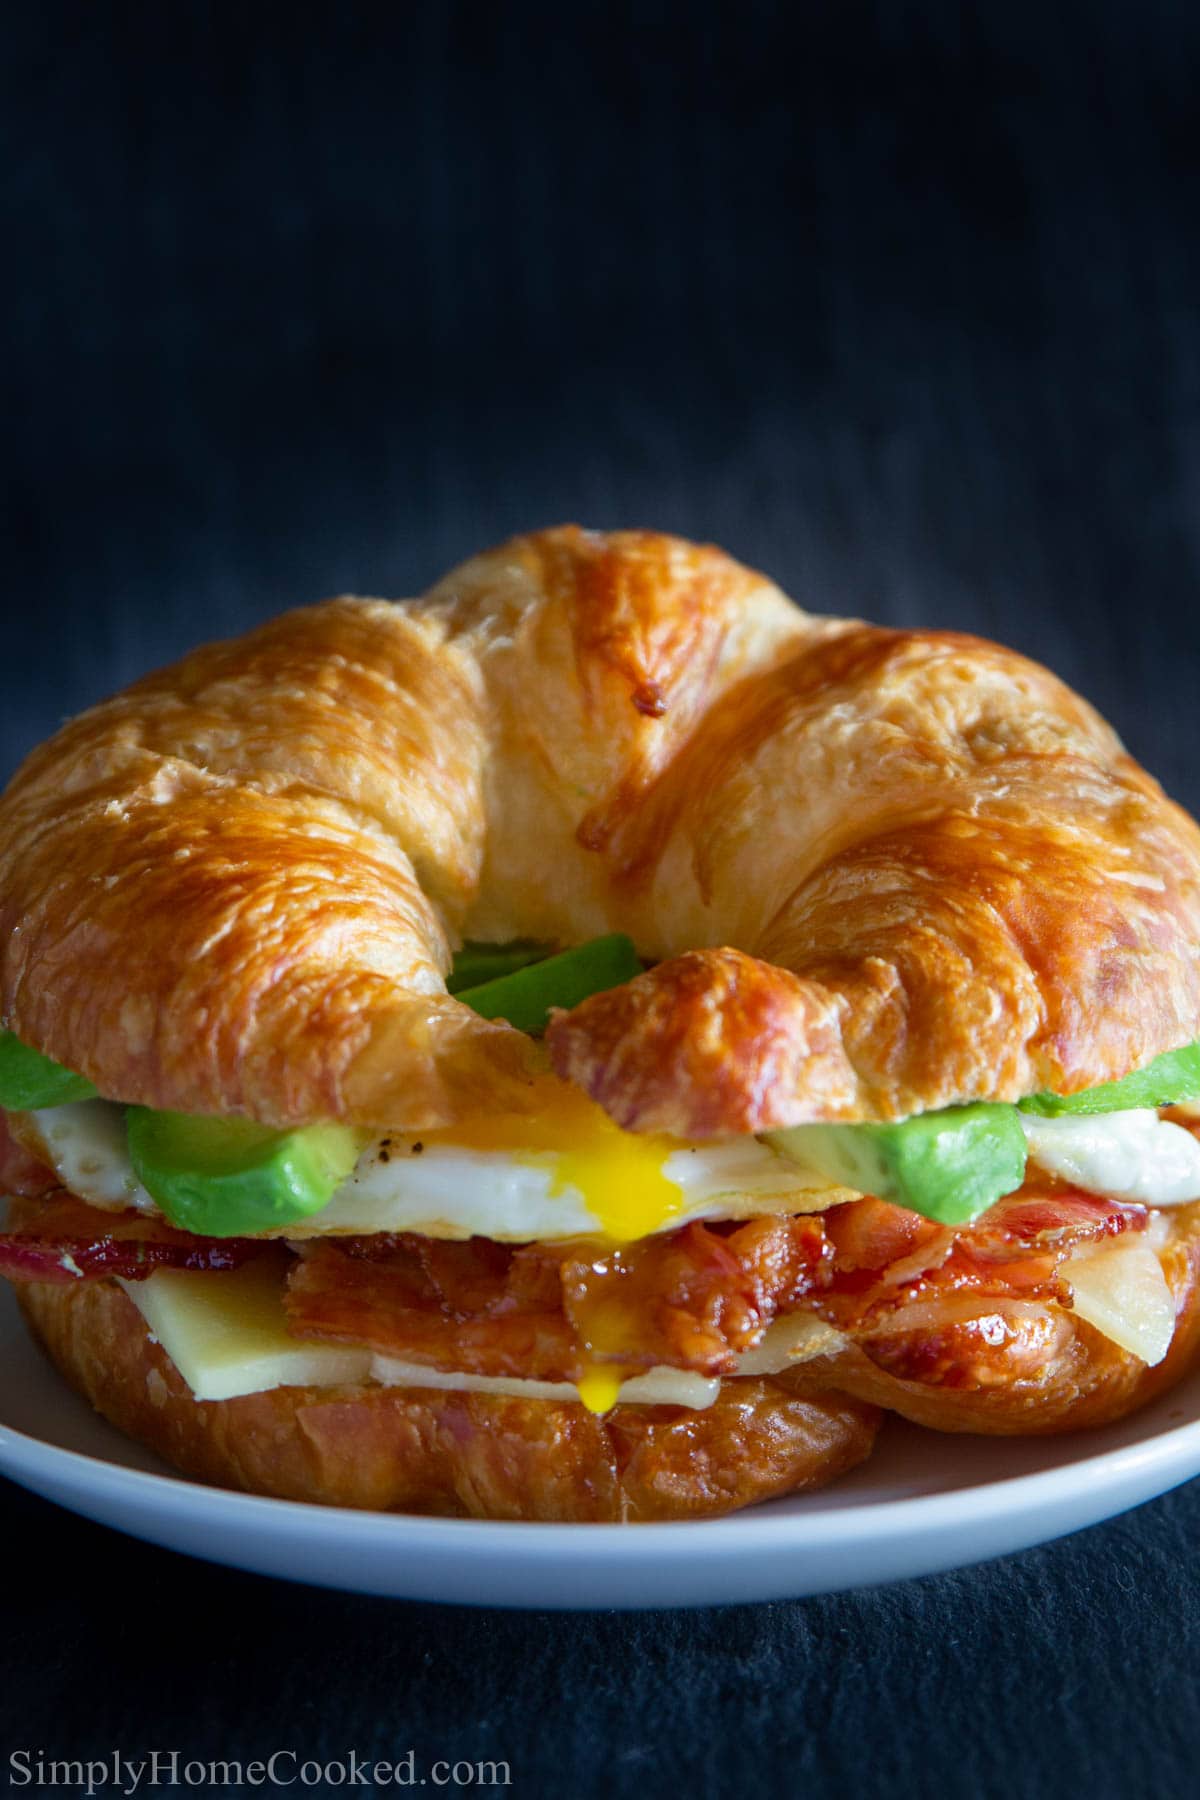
(922, 1503)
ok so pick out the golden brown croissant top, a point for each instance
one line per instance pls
(878, 871)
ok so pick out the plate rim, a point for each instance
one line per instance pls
(24, 1453)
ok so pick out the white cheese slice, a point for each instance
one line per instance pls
(785, 1343)
(794, 1339)
(1119, 1287)
(227, 1334)
(657, 1387)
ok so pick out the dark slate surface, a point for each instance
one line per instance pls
(899, 302)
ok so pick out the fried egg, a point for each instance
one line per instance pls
(1131, 1155)
(564, 1171)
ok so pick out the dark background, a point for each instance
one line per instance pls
(897, 301)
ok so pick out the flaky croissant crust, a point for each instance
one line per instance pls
(878, 871)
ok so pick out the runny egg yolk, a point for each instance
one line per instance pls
(619, 1173)
(621, 1177)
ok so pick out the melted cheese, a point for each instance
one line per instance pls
(227, 1335)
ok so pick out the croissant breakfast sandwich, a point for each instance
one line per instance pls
(585, 1044)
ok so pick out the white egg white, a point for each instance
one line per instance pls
(1131, 1155)
(441, 1189)
(85, 1146)
(445, 1190)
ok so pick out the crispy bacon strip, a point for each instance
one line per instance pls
(926, 1302)
(478, 1307)
(963, 1309)
(706, 1294)
(692, 1299)
(1047, 1216)
(886, 1258)
(62, 1240)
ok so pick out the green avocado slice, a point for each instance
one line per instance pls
(29, 1080)
(525, 997)
(950, 1165)
(1172, 1077)
(231, 1177)
(476, 964)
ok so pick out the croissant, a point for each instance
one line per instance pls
(873, 872)
(879, 871)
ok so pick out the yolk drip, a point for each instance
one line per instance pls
(619, 1173)
(621, 1178)
(599, 1387)
(608, 1327)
